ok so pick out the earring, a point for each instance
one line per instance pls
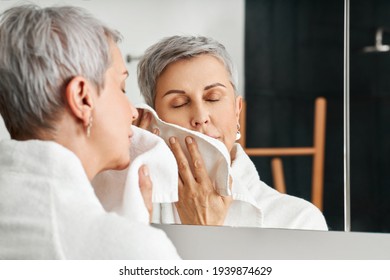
(238, 135)
(89, 126)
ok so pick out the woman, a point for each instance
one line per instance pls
(191, 82)
(62, 99)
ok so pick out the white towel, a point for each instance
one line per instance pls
(215, 154)
(119, 191)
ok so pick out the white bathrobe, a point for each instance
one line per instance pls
(255, 204)
(48, 210)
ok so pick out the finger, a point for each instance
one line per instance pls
(182, 162)
(180, 192)
(146, 186)
(180, 188)
(145, 121)
(156, 131)
(137, 121)
(200, 171)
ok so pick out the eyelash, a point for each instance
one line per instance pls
(178, 106)
(181, 105)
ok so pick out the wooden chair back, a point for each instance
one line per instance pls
(317, 151)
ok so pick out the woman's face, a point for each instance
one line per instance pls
(197, 94)
(113, 116)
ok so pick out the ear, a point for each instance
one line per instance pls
(79, 98)
(238, 108)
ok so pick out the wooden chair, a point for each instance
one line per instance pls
(317, 151)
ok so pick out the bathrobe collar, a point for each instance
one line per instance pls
(245, 183)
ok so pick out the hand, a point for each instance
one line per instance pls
(144, 119)
(199, 203)
(146, 186)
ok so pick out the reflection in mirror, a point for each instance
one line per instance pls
(370, 115)
(293, 55)
(190, 82)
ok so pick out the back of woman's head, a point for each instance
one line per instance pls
(174, 48)
(41, 50)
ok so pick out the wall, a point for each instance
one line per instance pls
(144, 22)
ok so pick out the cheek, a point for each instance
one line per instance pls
(230, 129)
(224, 115)
(117, 118)
(172, 115)
(123, 109)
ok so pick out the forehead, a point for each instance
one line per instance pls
(117, 61)
(202, 59)
(201, 66)
(194, 74)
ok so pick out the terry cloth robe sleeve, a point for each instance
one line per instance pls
(48, 210)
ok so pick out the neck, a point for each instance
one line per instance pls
(81, 148)
(71, 135)
(233, 152)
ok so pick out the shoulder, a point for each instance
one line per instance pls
(286, 211)
(278, 210)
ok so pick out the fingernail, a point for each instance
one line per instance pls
(189, 140)
(156, 130)
(172, 140)
(145, 170)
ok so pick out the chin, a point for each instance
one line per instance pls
(122, 164)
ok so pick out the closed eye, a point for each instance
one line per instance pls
(213, 97)
(179, 105)
(179, 101)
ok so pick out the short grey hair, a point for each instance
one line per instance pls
(174, 48)
(41, 50)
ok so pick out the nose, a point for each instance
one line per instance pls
(200, 116)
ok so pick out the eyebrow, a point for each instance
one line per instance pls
(214, 85)
(183, 91)
(174, 91)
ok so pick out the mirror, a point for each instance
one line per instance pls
(293, 53)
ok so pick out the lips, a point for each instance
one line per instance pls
(209, 133)
(213, 136)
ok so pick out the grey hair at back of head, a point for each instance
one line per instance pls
(41, 50)
(174, 48)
